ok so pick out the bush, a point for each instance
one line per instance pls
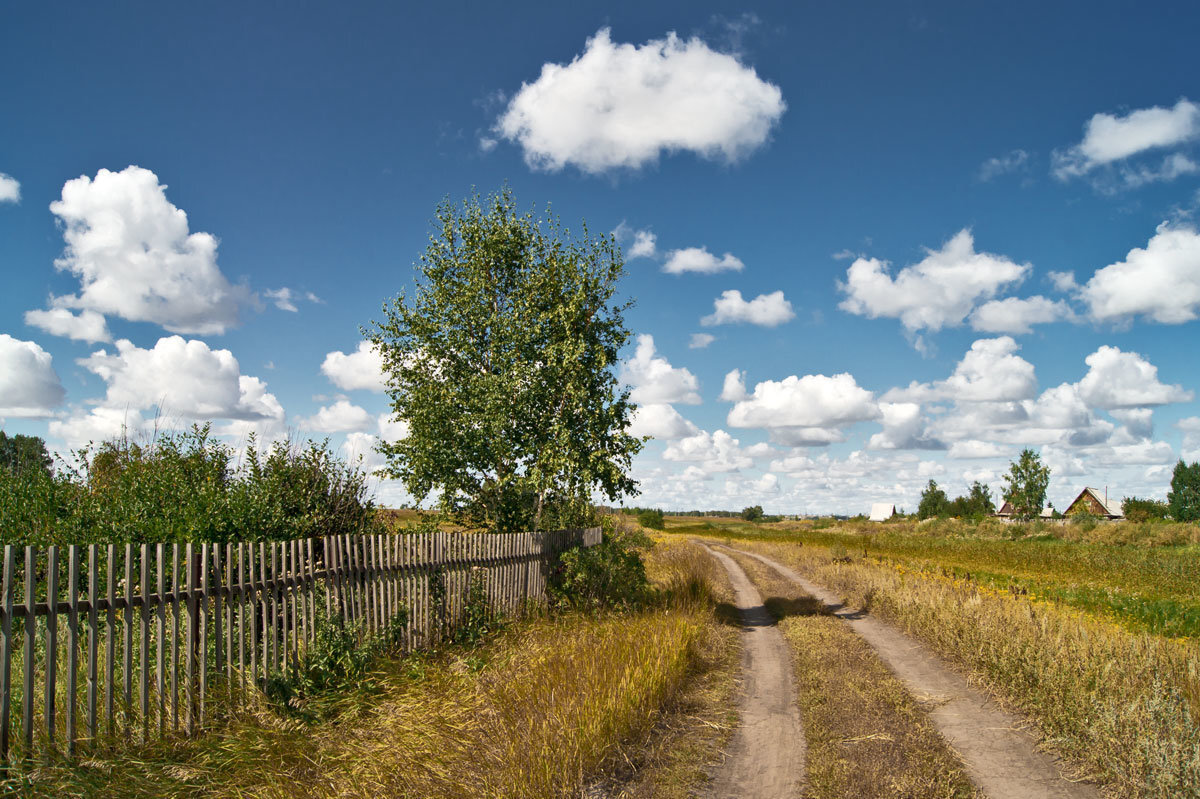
(752, 514)
(1184, 496)
(608, 575)
(652, 519)
(1143, 510)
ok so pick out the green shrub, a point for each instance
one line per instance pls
(608, 575)
(652, 519)
(1144, 510)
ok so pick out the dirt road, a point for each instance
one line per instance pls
(999, 754)
(766, 757)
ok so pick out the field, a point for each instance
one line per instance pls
(1092, 641)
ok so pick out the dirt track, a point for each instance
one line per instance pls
(999, 754)
(766, 757)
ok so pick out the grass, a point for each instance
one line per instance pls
(1139, 582)
(866, 735)
(1126, 705)
(546, 708)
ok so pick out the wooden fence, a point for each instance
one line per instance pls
(160, 639)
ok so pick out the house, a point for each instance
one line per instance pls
(1006, 511)
(882, 511)
(1092, 501)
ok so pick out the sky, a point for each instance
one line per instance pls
(870, 244)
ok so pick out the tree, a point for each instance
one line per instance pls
(752, 514)
(502, 364)
(933, 502)
(20, 453)
(1184, 497)
(977, 502)
(1026, 484)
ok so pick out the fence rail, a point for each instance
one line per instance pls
(160, 639)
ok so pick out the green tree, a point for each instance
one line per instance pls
(502, 362)
(1184, 497)
(1026, 483)
(977, 502)
(933, 502)
(753, 513)
(21, 453)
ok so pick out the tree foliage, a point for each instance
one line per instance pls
(976, 504)
(1184, 497)
(502, 362)
(1136, 509)
(1026, 484)
(20, 453)
(754, 513)
(933, 502)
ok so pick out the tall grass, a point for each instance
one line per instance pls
(1125, 704)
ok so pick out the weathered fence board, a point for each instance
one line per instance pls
(242, 613)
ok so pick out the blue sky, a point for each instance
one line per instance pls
(915, 236)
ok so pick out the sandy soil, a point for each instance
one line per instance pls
(766, 757)
(1000, 755)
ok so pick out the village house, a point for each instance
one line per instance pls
(1091, 501)
(882, 511)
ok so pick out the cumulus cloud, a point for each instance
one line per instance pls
(715, 452)
(767, 310)
(699, 341)
(973, 448)
(10, 189)
(660, 421)
(806, 405)
(29, 386)
(1117, 379)
(699, 259)
(990, 371)
(1108, 139)
(391, 428)
(1160, 282)
(100, 424)
(939, 291)
(642, 243)
(86, 326)
(361, 369)
(734, 389)
(342, 416)
(904, 427)
(185, 378)
(655, 381)
(1018, 315)
(1002, 165)
(359, 449)
(136, 258)
(619, 106)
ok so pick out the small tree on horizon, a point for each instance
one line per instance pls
(502, 363)
(933, 502)
(1026, 484)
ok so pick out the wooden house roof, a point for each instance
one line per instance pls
(1092, 500)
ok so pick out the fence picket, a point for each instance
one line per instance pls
(127, 636)
(144, 664)
(160, 617)
(175, 637)
(6, 652)
(51, 639)
(110, 639)
(72, 643)
(30, 638)
(93, 636)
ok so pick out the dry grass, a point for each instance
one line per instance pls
(1126, 705)
(867, 737)
(544, 710)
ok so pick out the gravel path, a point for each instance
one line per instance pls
(1000, 756)
(766, 757)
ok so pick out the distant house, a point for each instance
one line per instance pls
(1092, 501)
(882, 511)
(1006, 511)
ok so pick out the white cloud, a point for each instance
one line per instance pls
(285, 299)
(1063, 281)
(973, 448)
(1119, 379)
(1018, 315)
(29, 386)
(100, 424)
(643, 243)
(341, 417)
(1173, 166)
(767, 310)
(359, 450)
(184, 378)
(715, 452)
(1160, 282)
(1108, 138)
(734, 389)
(86, 326)
(135, 257)
(939, 291)
(655, 381)
(904, 427)
(660, 421)
(990, 371)
(699, 259)
(619, 106)
(10, 189)
(391, 428)
(1001, 165)
(812, 401)
(699, 341)
(362, 368)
